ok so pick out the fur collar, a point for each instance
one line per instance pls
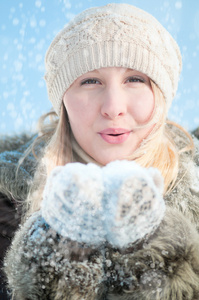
(15, 181)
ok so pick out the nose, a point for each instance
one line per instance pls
(114, 104)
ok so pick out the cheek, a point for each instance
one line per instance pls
(143, 107)
(79, 112)
(73, 111)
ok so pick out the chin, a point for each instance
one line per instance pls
(105, 156)
(106, 161)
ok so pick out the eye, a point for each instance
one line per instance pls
(135, 79)
(90, 81)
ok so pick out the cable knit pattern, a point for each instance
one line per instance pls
(115, 35)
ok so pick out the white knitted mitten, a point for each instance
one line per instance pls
(120, 202)
(133, 202)
(72, 202)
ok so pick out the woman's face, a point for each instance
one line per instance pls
(104, 107)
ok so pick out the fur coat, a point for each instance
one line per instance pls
(43, 264)
(13, 190)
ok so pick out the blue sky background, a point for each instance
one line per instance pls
(27, 28)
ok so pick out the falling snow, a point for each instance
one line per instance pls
(178, 4)
(27, 29)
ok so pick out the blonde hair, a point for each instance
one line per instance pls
(57, 134)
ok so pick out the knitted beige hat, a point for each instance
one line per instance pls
(115, 35)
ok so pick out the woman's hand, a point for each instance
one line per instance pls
(72, 203)
(133, 202)
(119, 203)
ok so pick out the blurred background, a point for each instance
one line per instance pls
(27, 29)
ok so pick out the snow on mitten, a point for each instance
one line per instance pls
(133, 201)
(72, 202)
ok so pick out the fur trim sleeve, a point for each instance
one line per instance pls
(166, 267)
(43, 265)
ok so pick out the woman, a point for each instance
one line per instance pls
(113, 208)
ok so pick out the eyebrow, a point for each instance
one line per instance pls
(94, 71)
(129, 70)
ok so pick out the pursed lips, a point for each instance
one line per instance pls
(114, 131)
(115, 135)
